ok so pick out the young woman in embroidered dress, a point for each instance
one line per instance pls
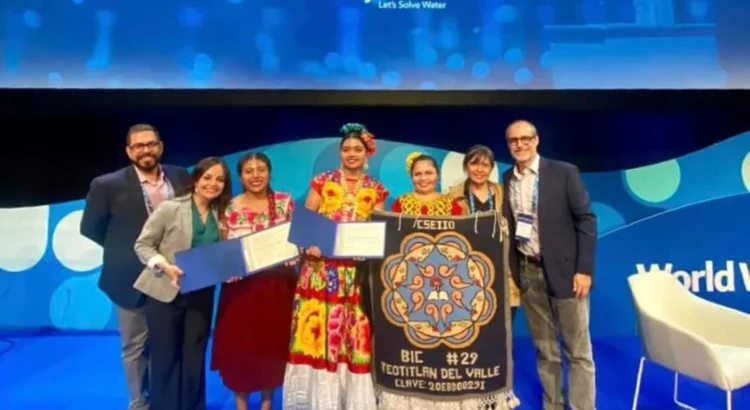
(331, 349)
(251, 339)
(426, 200)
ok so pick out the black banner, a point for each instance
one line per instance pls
(439, 314)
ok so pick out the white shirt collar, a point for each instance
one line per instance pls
(534, 168)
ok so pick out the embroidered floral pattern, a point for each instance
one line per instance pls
(242, 221)
(411, 205)
(328, 296)
(333, 198)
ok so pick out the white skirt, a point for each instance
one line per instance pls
(306, 388)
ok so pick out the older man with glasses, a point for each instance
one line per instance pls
(553, 233)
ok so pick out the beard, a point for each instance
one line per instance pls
(147, 162)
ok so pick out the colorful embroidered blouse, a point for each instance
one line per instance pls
(343, 203)
(444, 205)
(242, 221)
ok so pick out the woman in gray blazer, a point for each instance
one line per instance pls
(181, 323)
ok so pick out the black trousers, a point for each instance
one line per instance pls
(178, 336)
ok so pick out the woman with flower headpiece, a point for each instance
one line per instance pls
(331, 349)
(425, 200)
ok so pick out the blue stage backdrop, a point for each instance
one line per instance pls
(687, 216)
(375, 44)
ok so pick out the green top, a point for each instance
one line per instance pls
(204, 234)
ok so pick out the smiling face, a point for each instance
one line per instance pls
(522, 141)
(144, 150)
(353, 154)
(479, 170)
(255, 176)
(424, 176)
(211, 184)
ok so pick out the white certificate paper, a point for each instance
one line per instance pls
(268, 248)
(360, 240)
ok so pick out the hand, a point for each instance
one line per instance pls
(234, 279)
(292, 262)
(175, 274)
(313, 251)
(581, 285)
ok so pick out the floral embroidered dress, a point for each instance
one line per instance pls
(331, 349)
(444, 205)
(251, 339)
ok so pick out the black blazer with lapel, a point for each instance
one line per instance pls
(113, 218)
(567, 226)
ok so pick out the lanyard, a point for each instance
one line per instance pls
(473, 205)
(147, 200)
(518, 198)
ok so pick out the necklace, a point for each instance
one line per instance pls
(490, 199)
(350, 193)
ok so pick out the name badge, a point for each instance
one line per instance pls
(524, 226)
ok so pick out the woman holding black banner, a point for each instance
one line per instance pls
(479, 194)
(331, 349)
(427, 201)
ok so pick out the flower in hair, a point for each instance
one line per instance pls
(370, 146)
(367, 137)
(410, 160)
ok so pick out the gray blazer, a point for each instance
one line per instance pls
(168, 230)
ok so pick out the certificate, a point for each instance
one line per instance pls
(360, 240)
(216, 263)
(268, 248)
(344, 240)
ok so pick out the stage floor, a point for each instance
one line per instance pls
(83, 372)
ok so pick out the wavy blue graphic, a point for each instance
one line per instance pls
(374, 44)
(685, 211)
(703, 244)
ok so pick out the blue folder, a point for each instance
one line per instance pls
(313, 229)
(211, 265)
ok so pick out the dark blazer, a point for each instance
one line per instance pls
(567, 226)
(114, 216)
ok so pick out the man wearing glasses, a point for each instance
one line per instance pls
(117, 206)
(553, 232)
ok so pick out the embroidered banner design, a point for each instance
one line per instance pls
(439, 314)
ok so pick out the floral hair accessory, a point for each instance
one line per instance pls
(367, 137)
(410, 160)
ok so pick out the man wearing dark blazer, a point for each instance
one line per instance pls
(117, 206)
(553, 232)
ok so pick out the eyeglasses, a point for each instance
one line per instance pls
(521, 140)
(143, 145)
